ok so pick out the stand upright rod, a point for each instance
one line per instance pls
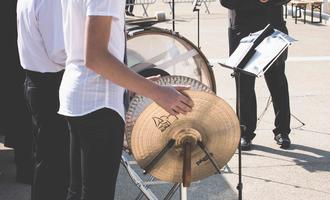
(183, 193)
(238, 110)
(198, 29)
(173, 15)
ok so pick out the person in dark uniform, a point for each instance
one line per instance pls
(42, 56)
(248, 16)
(129, 7)
(15, 119)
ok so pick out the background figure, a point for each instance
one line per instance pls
(15, 120)
(129, 7)
(247, 16)
(42, 55)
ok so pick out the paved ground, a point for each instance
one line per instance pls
(269, 173)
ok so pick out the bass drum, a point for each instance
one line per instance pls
(154, 48)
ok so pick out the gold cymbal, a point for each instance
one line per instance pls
(139, 103)
(212, 122)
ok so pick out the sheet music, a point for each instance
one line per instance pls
(265, 53)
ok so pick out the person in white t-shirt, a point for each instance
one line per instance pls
(91, 94)
(42, 55)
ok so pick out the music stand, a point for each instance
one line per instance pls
(253, 56)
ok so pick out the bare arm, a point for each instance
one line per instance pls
(100, 60)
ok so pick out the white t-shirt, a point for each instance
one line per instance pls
(82, 90)
(40, 35)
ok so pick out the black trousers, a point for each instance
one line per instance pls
(277, 85)
(95, 152)
(51, 136)
(130, 6)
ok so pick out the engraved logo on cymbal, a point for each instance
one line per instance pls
(163, 122)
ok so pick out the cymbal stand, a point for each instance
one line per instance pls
(144, 186)
(209, 156)
(186, 145)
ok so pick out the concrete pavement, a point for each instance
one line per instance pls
(269, 173)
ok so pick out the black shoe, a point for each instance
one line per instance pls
(283, 140)
(246, 144)
(129, 14)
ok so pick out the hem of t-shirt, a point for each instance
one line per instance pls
(108, 14)
(40, 70)
(68, 114)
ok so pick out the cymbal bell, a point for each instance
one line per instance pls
(212, 122)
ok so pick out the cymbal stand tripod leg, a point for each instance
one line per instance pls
(137, 180)
(154, 161)
(140, 195)
(209, 156)
(172, 191)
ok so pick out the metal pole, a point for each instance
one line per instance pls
(238, 110)
(173, 15)
(198, 28)
(183, 193)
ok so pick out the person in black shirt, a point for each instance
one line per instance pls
(248, 16)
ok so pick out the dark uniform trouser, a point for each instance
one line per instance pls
(51, 136)
(278, 87)
(95, 149)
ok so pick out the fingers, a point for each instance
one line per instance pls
(185, 99)
(182, 106)
(154, 78)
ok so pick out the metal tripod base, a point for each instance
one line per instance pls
(144, 186)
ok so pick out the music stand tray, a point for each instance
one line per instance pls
(258, 51)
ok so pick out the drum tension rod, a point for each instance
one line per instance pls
(154, 161)
(202, 146)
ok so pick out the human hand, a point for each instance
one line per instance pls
(173, 101)
(263, 1)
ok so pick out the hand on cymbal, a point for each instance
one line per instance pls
(173, 101)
